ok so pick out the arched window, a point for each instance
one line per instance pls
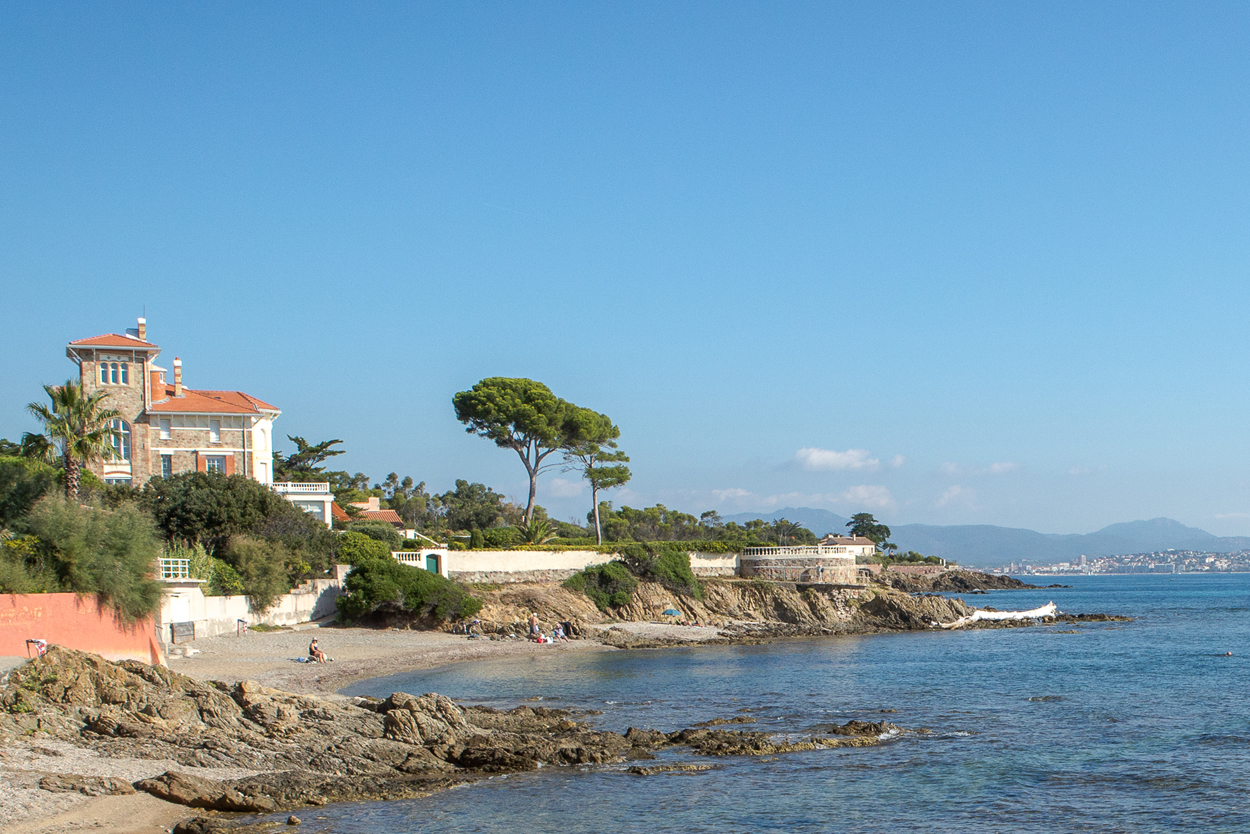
(120, 439)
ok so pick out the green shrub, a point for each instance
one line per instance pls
(501, 537)
(262, 569)
(109, 553)
(354, 548)
(22, 483)
(379, 530)
(21, 567)
(422, 595)
(665, 562)
(477, 541)
(607, 585)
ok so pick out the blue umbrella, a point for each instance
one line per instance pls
(672, 612)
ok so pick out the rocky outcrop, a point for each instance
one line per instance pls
(312, 751)
(895, 612)
(952, 582)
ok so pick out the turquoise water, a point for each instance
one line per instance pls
(1122, 727)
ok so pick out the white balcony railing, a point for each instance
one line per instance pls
(174, 568)
(798, 550)
(302, 488)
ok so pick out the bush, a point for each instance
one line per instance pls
(477, 541)
(422, 595)
(262, 568)
(22, 483)
(21, 567)
(220, 579)
(354, 548)
(379, 530)
(665, 562)
(611, 584)
(501, 536)
(108, 553)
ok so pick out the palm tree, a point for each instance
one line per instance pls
(79, 425)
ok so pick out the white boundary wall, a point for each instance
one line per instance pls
(185, 602)
(539, 565)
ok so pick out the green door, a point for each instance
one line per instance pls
(431, 562)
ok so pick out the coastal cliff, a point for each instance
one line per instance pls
(740, 608)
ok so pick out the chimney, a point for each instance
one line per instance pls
(177, 377)
(143, 330)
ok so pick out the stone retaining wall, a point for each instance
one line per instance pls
(814, 569)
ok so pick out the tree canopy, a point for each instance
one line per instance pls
(77, 424)
(863, 524)
(305, 463)
(595, 455)
(525, 416)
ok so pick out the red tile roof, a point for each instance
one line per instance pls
(338, 513)
(389, 516)
(207, 402)
(112, 340)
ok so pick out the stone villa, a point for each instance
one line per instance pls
(165, 427)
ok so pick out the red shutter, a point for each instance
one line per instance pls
(229, 464)
(201, 464)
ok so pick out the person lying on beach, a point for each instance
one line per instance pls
(315, 654)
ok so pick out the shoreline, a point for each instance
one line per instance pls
(269, 659)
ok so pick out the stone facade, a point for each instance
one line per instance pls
(819, 570)
(165, 427)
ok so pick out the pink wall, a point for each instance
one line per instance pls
(76, 623)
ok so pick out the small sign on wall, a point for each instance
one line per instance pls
(182, 632)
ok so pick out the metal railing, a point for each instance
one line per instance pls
(174, 568)
(302, 488)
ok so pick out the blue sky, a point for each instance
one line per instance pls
(948, 263)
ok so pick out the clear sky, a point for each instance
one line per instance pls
(944, 262)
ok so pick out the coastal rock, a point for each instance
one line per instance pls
(313, 751)
(199, 792)
(900, 611)
(86, 785)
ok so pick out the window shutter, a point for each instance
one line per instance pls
(201, 464)
(229, 464)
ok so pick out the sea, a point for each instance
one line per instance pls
(1138, 726)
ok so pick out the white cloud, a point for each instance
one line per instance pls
(828, 460)
(897, 461)
(868, 495)
(733, 494)
(954, 470)
(956, 494)
(564, 488)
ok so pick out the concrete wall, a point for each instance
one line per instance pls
(519, 565)
(714, 564)
(185, 602)
(76, 623)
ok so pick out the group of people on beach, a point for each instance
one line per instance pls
(559, 632)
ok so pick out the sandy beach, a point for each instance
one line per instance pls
(270, 659)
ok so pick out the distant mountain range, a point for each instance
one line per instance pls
(984, 545)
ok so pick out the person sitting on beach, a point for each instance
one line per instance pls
(557, 633)
(315, 654)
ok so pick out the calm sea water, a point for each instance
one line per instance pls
(1132, 727)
